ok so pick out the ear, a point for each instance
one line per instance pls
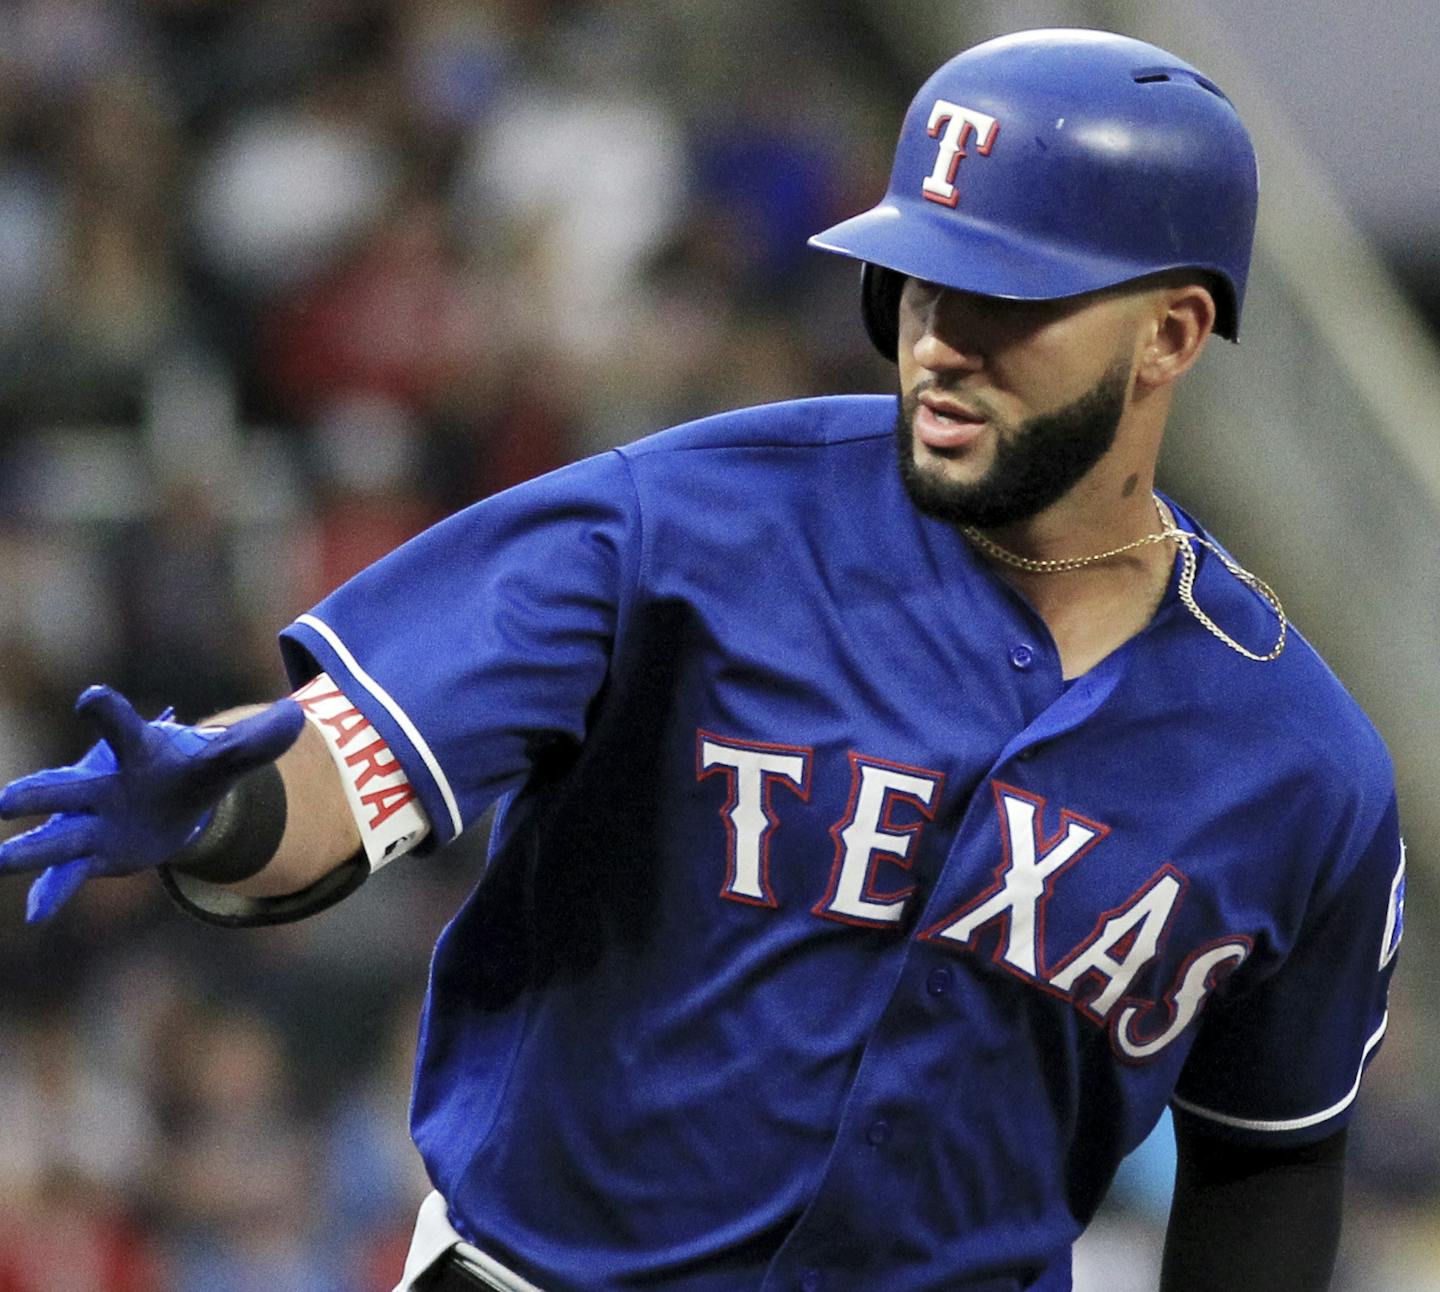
(1178, 324)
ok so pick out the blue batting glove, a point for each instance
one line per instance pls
(135, 798)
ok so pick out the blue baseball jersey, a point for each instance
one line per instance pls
(829, 939)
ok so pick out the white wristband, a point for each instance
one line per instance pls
(381, 798)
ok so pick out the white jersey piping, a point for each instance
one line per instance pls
(402, 719)
(1295, 1123)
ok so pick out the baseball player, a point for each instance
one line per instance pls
(878, 852)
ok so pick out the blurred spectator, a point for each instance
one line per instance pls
(397, 317)
(366, 455)
(580, 178)
(68, 1116)
(74, 1237)
(178, 605)
(61, 623)
(110, 298)
(237, 1186)
(284, 190)
(374, 1179)
(457, 57)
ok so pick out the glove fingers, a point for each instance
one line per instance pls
(61, 839)
(54, 888)
(98, 758)
(113, 716)
(56, 789)
(258, 739)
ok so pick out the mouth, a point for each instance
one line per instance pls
(947, 425)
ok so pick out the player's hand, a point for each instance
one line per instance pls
(135, 798)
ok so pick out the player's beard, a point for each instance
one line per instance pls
(1036, 462)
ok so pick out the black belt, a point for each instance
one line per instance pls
(453, 1273)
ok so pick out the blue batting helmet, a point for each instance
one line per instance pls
(1051, 163)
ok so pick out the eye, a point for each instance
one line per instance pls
(1022, 317)
(1029, 311)
(997, 310)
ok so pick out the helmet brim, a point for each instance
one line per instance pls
(970, 256)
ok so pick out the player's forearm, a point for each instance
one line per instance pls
(1242, 1219)
(320, 831)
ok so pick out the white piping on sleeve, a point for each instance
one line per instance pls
(1295, 1123)
(402, 719)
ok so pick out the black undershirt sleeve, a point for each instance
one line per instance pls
(1246, 1218)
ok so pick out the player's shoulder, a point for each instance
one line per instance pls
(663, 476)
(1298, 703)
(1316, 690)
(815, 423)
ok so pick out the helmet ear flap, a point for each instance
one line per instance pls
(880, 290)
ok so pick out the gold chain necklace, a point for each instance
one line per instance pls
(1189, 564)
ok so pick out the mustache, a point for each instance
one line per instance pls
(911, 398)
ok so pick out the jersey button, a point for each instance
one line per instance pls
(1022, 656)
(938, 983)
(877, 1133)
(810, 1281)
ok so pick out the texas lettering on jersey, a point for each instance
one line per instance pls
(868, 885)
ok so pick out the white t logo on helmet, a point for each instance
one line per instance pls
(953, 125)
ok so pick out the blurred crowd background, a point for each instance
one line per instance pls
(281, 283)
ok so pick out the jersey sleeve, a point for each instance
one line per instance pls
(1281, 1062)
(478, 647)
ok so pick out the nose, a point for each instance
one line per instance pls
(950, 334)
